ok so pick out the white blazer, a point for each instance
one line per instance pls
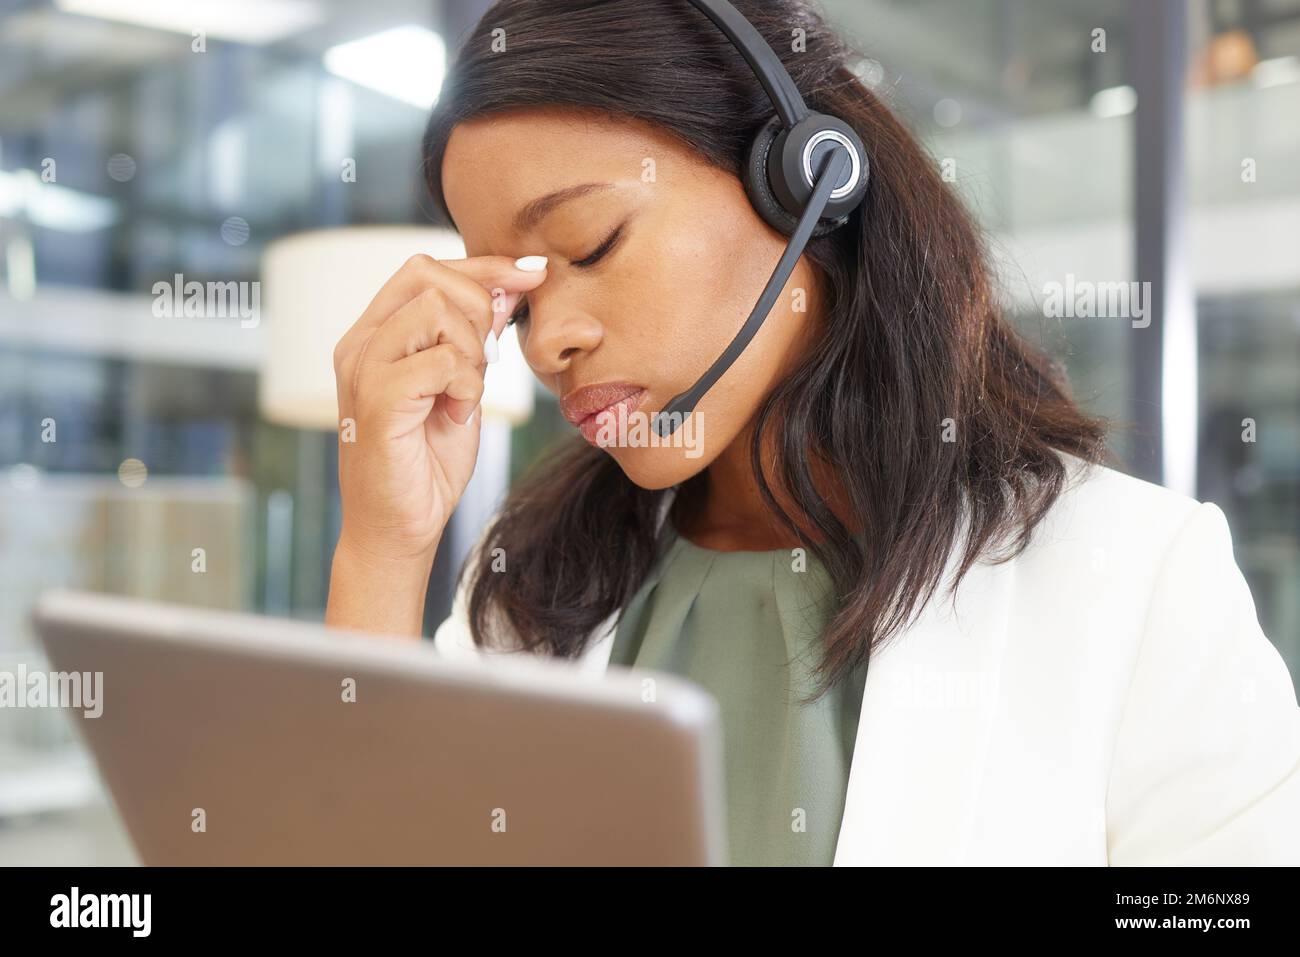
(1107, 697)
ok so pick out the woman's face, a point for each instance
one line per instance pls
(653, 268)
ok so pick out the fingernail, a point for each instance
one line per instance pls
(531, 263)
(490, 350)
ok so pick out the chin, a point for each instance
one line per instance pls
(659, 468)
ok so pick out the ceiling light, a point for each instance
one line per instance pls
(23, 194)
(407, 63)
(241, 21)
(1114, 101)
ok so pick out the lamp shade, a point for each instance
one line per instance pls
(315, 285)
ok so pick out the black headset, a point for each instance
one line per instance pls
(806, 172)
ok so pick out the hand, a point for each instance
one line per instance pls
(410, 376)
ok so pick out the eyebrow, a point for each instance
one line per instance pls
(534, 212)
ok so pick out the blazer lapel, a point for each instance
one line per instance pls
(928, 710)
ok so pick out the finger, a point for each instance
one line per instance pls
(428, 320)
(443, 374)
(505, 282)
(503, 307)
(492, 272)
(469, 282)
(460, 279)
(416, 278)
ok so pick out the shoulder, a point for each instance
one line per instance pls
(1130, 559)
(1103, 506)
(1110, 530)
(1124, 555)
(1136, 589)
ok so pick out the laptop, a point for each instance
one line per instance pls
(233, 739)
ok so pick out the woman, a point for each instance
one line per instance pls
(938, 630)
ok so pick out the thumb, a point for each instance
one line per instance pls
(503, 307)
(501, 272)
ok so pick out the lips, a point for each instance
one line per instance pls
(581, 404)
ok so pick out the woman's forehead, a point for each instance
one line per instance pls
(495, 165)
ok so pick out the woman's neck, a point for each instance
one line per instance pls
(724, 510)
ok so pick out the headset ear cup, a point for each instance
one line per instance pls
(756, 182)
(759, 188)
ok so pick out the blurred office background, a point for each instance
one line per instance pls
(1094, 138)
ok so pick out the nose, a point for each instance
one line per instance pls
(556, 333)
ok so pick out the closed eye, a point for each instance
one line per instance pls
(603, 250)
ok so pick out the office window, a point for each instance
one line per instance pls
(1243, 150)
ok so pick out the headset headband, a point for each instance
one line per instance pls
(762, 59)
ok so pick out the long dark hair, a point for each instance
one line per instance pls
(914, 338)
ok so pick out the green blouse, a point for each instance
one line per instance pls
(746, 626)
